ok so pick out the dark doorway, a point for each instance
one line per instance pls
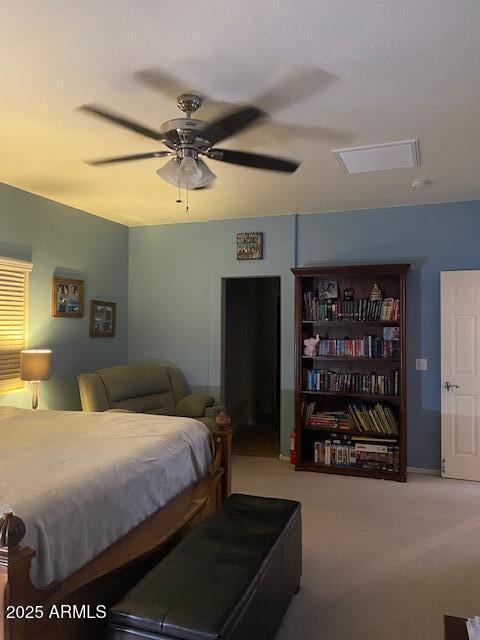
(251, 363)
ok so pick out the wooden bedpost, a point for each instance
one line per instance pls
(15, 582)
(223, 441)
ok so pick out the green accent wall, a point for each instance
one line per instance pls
(66, 241)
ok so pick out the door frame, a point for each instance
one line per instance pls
(447, 421)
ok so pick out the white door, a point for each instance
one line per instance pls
(460, 377)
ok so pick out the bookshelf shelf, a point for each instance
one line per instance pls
(355, 434)
(350, 358)
(342, 323)
(319, 302)
(352, 394)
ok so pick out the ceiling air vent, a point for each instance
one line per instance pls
(379, 157)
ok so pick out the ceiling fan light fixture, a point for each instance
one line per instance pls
(207, 176)
(187, 173)
(169, 172)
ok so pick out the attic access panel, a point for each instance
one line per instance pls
(379, 157)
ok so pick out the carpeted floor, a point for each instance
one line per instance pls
(262, 439)
(382, 560)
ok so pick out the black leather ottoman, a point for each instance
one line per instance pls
(231, 578)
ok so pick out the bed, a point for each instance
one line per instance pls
(91, 500)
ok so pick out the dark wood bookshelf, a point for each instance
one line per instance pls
(391, 280)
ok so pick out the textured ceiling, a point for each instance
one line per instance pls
(367, 72)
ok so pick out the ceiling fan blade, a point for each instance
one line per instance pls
(275, 132)
(232, 123)
(171, 87)
(162, 81)
(254, 160)
(137, 156)
(106, 114)
(297, 84)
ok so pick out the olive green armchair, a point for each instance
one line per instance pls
(145, 388)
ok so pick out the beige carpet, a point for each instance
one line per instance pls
(382, 560)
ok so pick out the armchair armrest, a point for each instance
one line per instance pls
(212, 412)
(194, 405)
(92, 392)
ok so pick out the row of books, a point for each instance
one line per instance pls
(330, 420)
(362, 419)
(371, 383)
(361, 454)
(361, 309)
(366, 347)
(380, 418)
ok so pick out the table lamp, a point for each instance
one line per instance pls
(35, 365)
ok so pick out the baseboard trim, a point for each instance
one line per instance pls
(284, 458)
(428, 472)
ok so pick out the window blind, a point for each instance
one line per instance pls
(13, 319)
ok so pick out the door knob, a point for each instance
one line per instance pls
(447, 385)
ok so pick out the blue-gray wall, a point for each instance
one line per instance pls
(168, 297)
(174, 275)
(57, 238)
(175, 290)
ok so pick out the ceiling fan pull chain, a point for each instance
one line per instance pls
(179, 199)
(186, 208)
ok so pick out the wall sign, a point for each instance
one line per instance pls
(250, 246)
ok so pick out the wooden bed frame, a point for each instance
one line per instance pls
(109, 575)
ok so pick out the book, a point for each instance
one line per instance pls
(327, 451)
(319, 452)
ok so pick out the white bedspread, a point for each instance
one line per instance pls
(80, 481)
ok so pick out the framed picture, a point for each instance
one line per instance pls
(102, 319)
(328, 289)
(250, 246)
(67, 298)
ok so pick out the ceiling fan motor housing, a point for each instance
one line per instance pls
(189, 102)
(189, 130)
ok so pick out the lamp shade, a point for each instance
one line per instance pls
(35, 364)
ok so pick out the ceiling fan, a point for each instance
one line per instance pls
(187, 139)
